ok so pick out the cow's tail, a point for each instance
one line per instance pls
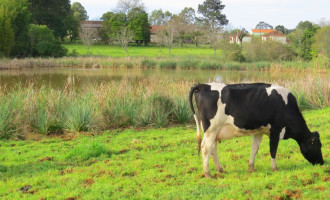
(197, 120)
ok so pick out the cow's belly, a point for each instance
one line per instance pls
(229, 131)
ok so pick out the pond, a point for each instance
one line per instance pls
(57, 78)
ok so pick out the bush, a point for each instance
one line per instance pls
(236, 55)
(148, 63)
(43, 42)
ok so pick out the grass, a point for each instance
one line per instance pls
(158, 164)
(138, 51)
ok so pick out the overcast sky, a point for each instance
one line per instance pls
(240, 13)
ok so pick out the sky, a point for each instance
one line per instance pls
(240, 13)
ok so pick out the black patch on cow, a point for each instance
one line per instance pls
(206, 101)
(250, 105)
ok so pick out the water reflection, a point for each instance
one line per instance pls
(60, 77)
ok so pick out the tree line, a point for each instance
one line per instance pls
(37, 28)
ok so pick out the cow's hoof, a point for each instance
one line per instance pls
(207, 175)
(252, 170)
(275, 169)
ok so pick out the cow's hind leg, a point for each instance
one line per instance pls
(254, 149)
(216, 158)
(207, 148)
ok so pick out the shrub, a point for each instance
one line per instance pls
(9, 116)
(236, 55)
(162, 110)
(167, 64)
(43, 42)
(148, 63)
(182, 111)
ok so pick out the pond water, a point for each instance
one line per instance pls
(59, 77)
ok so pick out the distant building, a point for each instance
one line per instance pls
(153, 32)
(235, 38)
(91, 24)
(260, 32)
(275, 36)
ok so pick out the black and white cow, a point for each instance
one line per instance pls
(236, 110)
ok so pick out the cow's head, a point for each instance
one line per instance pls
(311, 149)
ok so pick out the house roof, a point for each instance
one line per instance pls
(263, 30)
(91, 22)
(274, 34)
(156, 28)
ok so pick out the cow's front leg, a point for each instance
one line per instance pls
(273, 144)
(207, 147)
(216, 158)
(254, 150)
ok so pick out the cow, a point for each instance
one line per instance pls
(234, 110)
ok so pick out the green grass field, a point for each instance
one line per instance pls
(135, 51)
(158, 164)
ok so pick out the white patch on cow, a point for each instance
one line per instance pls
(282, 133)
(280, 90)
(273, 164)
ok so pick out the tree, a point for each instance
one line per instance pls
(73, 27)
(263, 25)
(139, 25)
(282, 29)
(306, 43)
(6, 32)
(105, 33)
(79, 11)
(158, 17)
(322, 40)
(188, 15)
(52, 14)
(120, 30)
(125, 6)
(167, 34)
(18, 17)
(88, 36)
(304, 25)
(213, 20)
(43, 42)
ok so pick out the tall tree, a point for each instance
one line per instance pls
(322, 40)
(306, 43)
(139, 25)
(120, 30)
(106, 34)
(282, 29)
(263, 25)
(6, 32)
(125, 6)
(51, 13)
(79, 11)
(19, 19)
(213, 20)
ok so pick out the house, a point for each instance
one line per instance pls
(235, 38)
(275, 36)
(153, 33)
(260, 32)
(97, 25)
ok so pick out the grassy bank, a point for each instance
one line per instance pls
(119, 104)
(158, 164)
(173, 62)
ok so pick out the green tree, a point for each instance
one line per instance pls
(6, 32)
(322, 40)
(43, 42)
(79, 11)
(139, 25)
(282, 29)
(73, 25)
(213, 20)
(18, 17)
(51, 13)
(105, 32)
(306, 43)
(263, 25)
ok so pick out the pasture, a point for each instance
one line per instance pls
(136, 51)
(158, 164)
